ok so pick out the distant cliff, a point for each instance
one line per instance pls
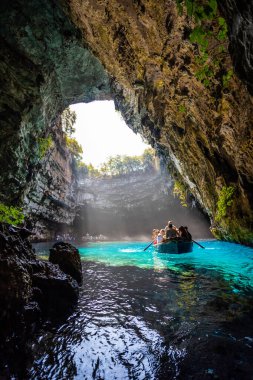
(131, 206)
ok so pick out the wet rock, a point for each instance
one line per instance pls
(29, 288)
(59, 291)
(68, 259)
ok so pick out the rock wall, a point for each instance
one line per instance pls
(204, 131)
(45, 66)
(50, 202)
(138, 53)
(240, 22)
(31, 290)
(131, 206)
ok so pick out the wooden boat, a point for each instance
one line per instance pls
(175, 246)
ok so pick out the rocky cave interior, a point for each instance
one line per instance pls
(137, 53)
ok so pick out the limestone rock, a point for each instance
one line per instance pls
(59, 291)
(29, 288)
(51, 201)
(68, 259)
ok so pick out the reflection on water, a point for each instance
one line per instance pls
(143, 315)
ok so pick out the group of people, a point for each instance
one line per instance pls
(170, 232)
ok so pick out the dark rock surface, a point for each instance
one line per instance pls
(30, 289)
(68, 259)
(239, 15)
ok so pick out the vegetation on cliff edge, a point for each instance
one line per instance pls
(11, 215)
(121, 165)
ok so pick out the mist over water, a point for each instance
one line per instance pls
(129, 208)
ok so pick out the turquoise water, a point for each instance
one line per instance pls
(233, 261)
(143, 315)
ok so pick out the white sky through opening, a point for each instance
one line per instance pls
(102, 132)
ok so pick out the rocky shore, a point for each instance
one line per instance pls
(32, 290)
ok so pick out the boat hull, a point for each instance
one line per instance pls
(175, 247)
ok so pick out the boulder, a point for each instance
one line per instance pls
(58, 291)
(68, 259)
(30, 288)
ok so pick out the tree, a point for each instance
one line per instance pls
(75, 149)
(68, 118)
(148, 158)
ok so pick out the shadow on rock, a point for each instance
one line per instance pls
(31, 290)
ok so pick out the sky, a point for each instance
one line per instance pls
(103, 133)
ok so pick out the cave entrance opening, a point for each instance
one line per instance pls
(121, 193)
(102, 133)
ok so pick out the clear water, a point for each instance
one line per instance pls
(143, 315)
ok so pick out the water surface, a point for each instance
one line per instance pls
(143, 315)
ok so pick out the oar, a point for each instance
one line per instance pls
(149, 245)
(197, 244)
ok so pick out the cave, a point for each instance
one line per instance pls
(56, 54)
(192, 102)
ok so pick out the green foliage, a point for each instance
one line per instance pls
(182, 108)
(44, 144)
(198, 9)
(199, 36)
(226, 78)
(122, 165)
(208, 28)
(75, 148)
(180, 6)
(223, 29)
(11, 215)
(148, 158)
(88, 170)
(224, 202)
(180, 191)
(68, 118)
(205, 74)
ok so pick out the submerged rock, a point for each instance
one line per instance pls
(68, 259)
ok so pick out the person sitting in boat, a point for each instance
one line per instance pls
(171, 231)
(189, 236)
(159, 238)
(183, 233)
(173, 226)
(164, 234)
(155, 232)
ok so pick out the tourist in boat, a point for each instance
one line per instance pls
(173, 226)
(189, 236)
(183, 233)
(155, 232)
(171, 231)
(163, 234)
(159, 238)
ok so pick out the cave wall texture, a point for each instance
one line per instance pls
(138, 53)
(51, 199)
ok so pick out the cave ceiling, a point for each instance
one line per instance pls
(138, 53)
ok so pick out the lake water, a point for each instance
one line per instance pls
(143, 315)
